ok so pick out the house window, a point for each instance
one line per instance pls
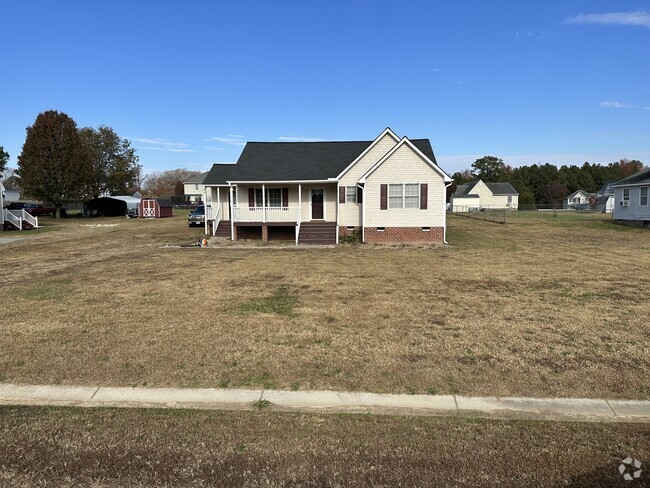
(626, 194)
(273, 197)
(350, 194)
(509, 199)
(644, 196)
(404, 196)
(196, 187)
(412, 195)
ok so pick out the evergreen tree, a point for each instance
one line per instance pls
(54, 165)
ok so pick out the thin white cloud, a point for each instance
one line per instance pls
(169, 149)
(616, 104)
(233, 140)
(211, 148)
(300, 139)
(639, 19)
(160, 142)
(236, 136)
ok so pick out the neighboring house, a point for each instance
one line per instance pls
(604, 198)
(11, 195)
(386, 190)
(193, 187)
(632, 198)
(477, 195)
(577, 199)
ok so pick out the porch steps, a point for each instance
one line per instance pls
(317, 233)
(223, 230)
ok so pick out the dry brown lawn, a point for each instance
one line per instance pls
(136, 448)
(542, 306)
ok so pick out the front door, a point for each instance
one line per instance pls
(317, 204)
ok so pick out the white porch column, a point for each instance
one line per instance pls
(205, 209)
(219, 199)
(232, 216)
(300, 200)
(263, 205)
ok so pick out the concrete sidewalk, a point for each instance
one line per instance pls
(581, 409)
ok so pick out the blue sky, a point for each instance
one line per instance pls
(189, 82)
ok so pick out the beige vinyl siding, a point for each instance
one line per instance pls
(189, 189)
(405, 166)
(488, 200)
(350, 213)
(223, 200)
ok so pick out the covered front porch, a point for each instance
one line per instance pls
(259, 210)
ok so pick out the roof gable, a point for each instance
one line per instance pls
(431, 161)
(386, 133)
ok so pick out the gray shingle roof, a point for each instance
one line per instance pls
(219, 174)
(197, 179)
(300, 161)
(495, 188)
(641, 177)
(502, 189)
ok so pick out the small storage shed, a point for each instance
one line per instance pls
(155, 208)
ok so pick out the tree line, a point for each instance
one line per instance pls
(546, 183)
(60, 163)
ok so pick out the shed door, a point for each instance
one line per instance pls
(148, 208)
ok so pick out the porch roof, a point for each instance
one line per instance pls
(219, 174)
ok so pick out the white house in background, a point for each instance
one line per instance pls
(577, 199)
(387, 190)
(193, 187)
(477, 195)
(632, 198)
(604, 199)
(11, 195)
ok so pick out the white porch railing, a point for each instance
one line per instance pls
(12, 218)
(17, 217)
(29, 218)
(215, 221)
(266, 214)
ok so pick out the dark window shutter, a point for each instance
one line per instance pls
(383, 198)
(285, 197)
(359, 194)
(251, 197)
(424, 189)
(341, 194)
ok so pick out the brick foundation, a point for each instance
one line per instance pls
(396, 235)
(344, 232)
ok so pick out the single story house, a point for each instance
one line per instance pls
(604, 198)
(577, 199)
(632, 198)
(193, 187)
(387, 190)
(478, 195)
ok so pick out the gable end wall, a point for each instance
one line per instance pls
(405, 166)
(350, 213)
